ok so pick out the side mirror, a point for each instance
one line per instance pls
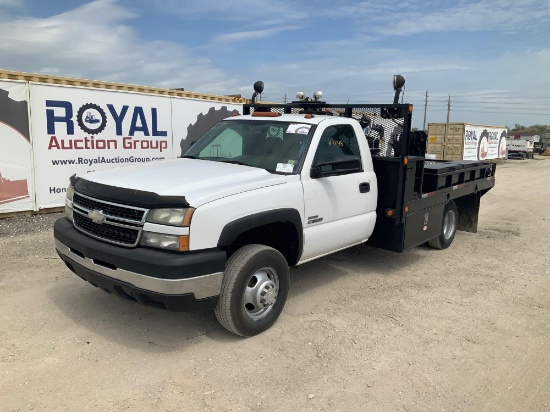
(341, 166)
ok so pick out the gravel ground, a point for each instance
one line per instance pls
(464, 329)
(24, 225)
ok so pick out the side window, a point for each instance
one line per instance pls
(336, 142)
(228, 144)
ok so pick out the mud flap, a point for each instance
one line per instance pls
(468, 212)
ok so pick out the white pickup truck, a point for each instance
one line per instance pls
(261, 192)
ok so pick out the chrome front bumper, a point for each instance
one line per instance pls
(201, 286)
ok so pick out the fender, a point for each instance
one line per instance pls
(233, 229)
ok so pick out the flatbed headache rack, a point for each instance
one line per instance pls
(412, 191)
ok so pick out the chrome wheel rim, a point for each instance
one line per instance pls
(261, 292)
(449, 224)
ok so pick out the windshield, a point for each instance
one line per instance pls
(275, 146)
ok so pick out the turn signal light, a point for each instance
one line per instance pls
(389, 212)
(184, 243)
(188, 216)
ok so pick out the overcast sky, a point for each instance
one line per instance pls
(491, 56)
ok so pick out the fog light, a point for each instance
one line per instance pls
(164, 241)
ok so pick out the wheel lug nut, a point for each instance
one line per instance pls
(263, 293)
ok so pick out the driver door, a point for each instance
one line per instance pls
(340, 210)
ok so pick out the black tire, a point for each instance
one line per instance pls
(448, 227)
(254, 290)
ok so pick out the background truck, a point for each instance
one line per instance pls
(520, 149)
(276, 187)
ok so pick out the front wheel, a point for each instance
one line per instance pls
(254, 290)
(448, 231)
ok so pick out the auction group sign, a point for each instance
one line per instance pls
(82, 130)
(484, 142)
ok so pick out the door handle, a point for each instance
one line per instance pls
(364, 187)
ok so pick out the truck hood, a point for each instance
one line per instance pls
(200, 181)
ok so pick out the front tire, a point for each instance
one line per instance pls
(448, 230)
(254, 290)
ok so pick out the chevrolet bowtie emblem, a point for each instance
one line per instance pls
(97, 216)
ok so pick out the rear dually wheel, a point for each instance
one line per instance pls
(448, 230)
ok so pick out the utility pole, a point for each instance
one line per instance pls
(448, 108)
(425, 110)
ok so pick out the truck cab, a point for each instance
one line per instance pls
(326, 169)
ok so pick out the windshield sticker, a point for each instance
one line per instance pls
(284, 167)
(299, 128)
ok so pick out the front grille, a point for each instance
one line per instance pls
(114, 234)
(110, 209)
(122, 224)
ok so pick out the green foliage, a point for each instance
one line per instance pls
(534, 129)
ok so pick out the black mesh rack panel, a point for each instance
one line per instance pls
(386, 127)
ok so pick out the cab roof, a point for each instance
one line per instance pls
(293, 118)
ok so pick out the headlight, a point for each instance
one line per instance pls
(171, 217)
(164, 241)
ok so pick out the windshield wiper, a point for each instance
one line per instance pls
(190, 157)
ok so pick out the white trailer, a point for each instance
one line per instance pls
(465, 141)
(53, 127)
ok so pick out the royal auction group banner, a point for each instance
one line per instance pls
(16, 185)
(484, 143)
(50, 132)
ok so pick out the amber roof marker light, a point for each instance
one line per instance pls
(266, 114)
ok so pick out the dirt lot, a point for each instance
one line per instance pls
(465, 329)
